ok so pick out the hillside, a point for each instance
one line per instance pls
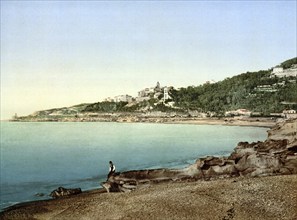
(256, 91)
(262, 93)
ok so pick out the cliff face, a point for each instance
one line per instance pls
(276, 155)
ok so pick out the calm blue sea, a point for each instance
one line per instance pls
(39, 157)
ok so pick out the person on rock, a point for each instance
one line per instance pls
(111, 169)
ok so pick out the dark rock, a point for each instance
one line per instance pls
(64, 192)
(40, 194)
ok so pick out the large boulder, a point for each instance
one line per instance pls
(276, 155)
(130, 180)
(59, 192)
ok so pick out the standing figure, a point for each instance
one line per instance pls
(111, 169)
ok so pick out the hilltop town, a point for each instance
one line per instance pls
(266, 93)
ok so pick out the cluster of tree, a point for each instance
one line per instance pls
(288, 63)
(146, 105)
(105, 107)
(241, 92)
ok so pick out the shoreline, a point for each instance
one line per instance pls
(249, 122)
(36, 202)
(234, 122)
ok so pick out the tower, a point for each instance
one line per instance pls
(166, 96)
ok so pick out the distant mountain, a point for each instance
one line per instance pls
(265, 92)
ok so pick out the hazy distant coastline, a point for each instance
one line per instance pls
(250, 96)
(255, 122)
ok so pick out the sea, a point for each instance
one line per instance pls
(38, 157)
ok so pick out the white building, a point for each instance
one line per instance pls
(238, 112)
(277, 69)
(166, 95)
(154, 92)
(280, 72)
(123, 98)
(145, 92)
(291, 111)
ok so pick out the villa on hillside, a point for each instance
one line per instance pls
(291, 113)
(157, 92)
(123, 98)
(119, 98)
(277, 69)
(146, 92)
(266, 88)
(238, 112)
(154, 92)
(280, 72)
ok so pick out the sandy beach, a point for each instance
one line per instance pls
(228, 122)
(236, 198)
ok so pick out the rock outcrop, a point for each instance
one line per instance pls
(275, 156)
(64, 192)
(284, 130)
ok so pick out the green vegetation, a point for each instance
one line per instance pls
(241, 91)
(288, 63)
(105, 107)
(146, 105)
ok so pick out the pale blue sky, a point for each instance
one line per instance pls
(61, 53)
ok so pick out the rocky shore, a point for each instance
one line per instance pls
(276, 155)
(212, 188)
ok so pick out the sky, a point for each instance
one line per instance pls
(62, 53)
